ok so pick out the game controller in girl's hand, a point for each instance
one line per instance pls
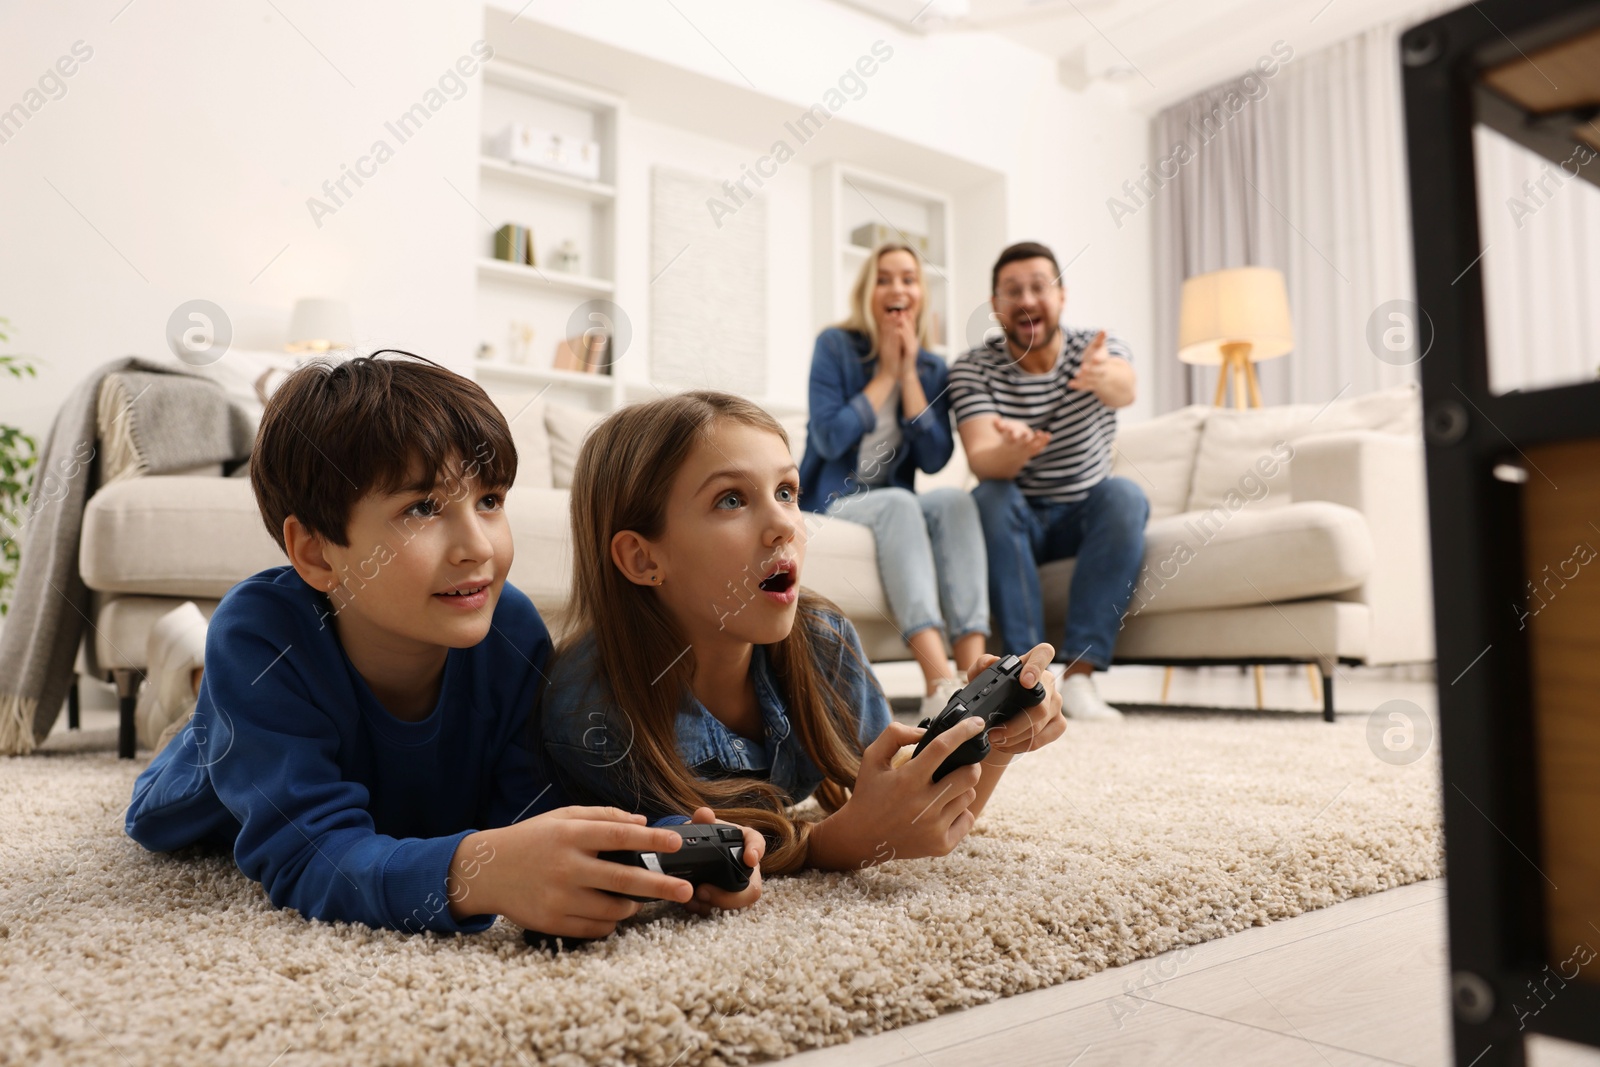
(712, 854)
(994, 696)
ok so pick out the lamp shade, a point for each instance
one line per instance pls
(1242, 305)
(318, 325)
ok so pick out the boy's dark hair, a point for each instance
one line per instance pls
(335, 432)
(1022, 250)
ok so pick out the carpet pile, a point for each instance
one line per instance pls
(1114, 844)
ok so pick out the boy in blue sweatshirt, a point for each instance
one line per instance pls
(359, 740)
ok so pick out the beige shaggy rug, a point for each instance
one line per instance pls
(1116, 843)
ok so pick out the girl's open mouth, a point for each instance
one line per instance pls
(782, 583)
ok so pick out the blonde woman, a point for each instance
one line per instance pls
(879, 413)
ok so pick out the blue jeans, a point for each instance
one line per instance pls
(929, 545)
(1105, 530)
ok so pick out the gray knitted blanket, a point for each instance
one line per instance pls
(168, 420)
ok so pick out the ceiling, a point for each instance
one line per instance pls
(1158, 51)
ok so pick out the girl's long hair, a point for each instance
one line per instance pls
(861, 319)
(621, 482)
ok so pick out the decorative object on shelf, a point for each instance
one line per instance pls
(514, 244)
(320, 325)
(485, 352)
(521, 342)
(531, 146)
(566, 258)
(587, 353)
(872, 234)
(1235, 318)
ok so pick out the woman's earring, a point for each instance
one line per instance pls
(655, 579)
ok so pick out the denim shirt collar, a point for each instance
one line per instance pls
(706, 744)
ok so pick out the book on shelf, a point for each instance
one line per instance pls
(514, 244)
(587, 353)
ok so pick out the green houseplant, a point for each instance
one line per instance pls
(19, 453)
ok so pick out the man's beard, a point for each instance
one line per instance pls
(1016, 343)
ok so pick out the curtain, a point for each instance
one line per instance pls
(1302, 170)
(1539, 223)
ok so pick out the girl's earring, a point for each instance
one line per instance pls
(655, 579)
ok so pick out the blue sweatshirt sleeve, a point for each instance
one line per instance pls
(305, 830)
(839, 417)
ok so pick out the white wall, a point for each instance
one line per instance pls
(194, 135)
(191, 140)
(975, 97)
(788, 205)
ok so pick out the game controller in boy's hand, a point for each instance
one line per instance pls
(712, 854)
(994, 695)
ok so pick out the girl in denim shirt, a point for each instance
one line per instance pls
(699, 674)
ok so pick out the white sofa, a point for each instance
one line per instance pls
(1327, 563)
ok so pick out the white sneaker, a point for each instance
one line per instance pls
(175, 649)
(934, 702)
(1080, 700)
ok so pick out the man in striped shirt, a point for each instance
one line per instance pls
(1036, 410)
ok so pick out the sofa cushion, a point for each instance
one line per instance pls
(1218, 558)
(122, 629)
(171, 535)
(1159, 454)
(568, 426)
(525, 414)
(1236, 446)
(1301, 629)
(541, 533)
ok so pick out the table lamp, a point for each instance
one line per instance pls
(1235, 318)
(320, 325)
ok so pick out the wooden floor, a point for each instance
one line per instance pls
(1363, 982)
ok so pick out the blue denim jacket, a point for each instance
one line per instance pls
(841, 416)
(587, 737)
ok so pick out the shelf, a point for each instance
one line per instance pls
(520, 372)
(542, 278)
(513, 75)
(548, 180)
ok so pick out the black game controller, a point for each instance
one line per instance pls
(995, 696)
(712, 854)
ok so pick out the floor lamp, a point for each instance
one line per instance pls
(1233, 319)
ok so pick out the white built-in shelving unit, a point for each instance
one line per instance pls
(557, 207)
(844, 199)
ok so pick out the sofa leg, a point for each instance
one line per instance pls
(127, 681)
(72, 704)
(1327, 694)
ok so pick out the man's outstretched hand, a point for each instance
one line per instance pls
(1106, 376)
